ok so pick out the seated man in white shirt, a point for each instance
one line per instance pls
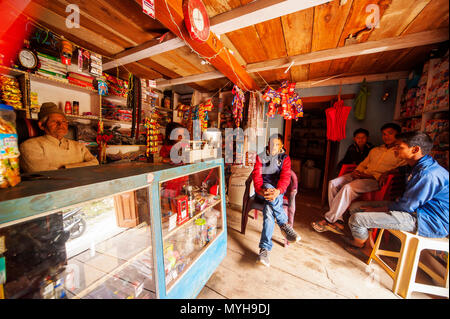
(53, 151)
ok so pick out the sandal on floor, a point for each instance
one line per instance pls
(318, 227)
(334, 228)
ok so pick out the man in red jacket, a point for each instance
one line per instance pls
(271, 177)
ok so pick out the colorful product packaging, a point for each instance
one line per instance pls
(9, 149)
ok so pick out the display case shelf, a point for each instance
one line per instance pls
(100, 281)
(193, 218)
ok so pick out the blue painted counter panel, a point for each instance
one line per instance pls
(195, 278)
(79, 185)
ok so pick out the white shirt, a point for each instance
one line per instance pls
(45, 153)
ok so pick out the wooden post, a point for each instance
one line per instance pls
(325, 174)
(287, 136)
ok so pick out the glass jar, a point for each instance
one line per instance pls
(9, 149)
(201, 234)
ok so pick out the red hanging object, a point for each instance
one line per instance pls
(336, 120)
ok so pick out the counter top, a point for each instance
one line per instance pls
(67, 188)
(77, 177)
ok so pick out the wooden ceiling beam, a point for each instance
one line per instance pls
(258, 11)
(160, 84)
(246, 15)
(170, 14)
(369, 47)
(145, 50)
(396, 43)
(353, 79)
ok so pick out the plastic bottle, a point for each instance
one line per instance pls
(75, 108)
(191, 203)
(47, 290)
(68, 108)
(58, 280)
(201, 234)
(211, 225)
(189, 246)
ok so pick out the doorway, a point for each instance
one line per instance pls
(314, 158)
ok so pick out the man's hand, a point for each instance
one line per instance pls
(356, 174)
(360, 175)
(271, 193)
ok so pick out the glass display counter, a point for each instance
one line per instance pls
(115, 231)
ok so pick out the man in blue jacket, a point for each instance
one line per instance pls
(423, 207)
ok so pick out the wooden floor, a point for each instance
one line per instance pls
(318, 267)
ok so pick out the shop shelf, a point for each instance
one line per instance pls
(198, 214)
(10, 71)
(82, 117)
(60, 83)
(107, 276)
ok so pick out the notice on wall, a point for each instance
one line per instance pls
(152, 83)
(148, 7)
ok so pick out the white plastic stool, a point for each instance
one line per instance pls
(408, 261)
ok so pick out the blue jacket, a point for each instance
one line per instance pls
(426, 194)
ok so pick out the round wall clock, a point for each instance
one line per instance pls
(196, 20)
(28, 60)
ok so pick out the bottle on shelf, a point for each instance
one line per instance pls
(76, 108)
(68, 108)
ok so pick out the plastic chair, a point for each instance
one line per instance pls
(347, 168)
(405, 272)
(27, 128)
(252, 202)
(392, 189)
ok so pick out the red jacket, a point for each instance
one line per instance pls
(165, 151)
(279, 177)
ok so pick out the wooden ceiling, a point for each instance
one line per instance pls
(111, 27)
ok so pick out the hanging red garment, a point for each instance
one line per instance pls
(336, 120)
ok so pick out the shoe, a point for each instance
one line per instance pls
(289, 233)
(263, 257)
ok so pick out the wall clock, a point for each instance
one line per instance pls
(28, 60)
(196, 20)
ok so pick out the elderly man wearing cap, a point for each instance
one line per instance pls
(53, 151)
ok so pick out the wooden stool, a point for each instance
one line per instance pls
(405, 272)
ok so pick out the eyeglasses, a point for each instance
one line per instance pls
(60, 123)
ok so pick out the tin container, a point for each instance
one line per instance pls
(75, 108)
